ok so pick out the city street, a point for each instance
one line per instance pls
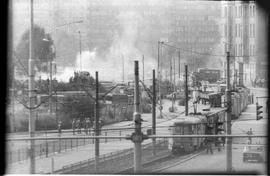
(207, 163)
(124, 86)
(82, 153)
(217, 162)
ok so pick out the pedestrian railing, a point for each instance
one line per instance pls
(47, 148)
(124, 160)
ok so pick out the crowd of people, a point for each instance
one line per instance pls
(80, 123)
(84, 123)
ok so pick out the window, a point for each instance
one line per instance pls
(250, 30)
(236, 50)
(254, 30)
(240, 11)
(225, 11)
(235, 30)
(241, 49)
(236, 11)
(254, 51)
(241, 31)
(253, 10)
(225, 30)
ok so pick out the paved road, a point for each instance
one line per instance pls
(217, 162)
(207, 163)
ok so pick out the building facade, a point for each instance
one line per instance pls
(240, 33)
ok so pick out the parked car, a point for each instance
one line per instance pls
(254, 153)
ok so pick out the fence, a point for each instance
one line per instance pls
(123, 160)
(52, 147)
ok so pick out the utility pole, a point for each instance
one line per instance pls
(170, 74)
(138, 137)
(32, 93)
(174, 74)
(159, 81)
(97, 127)
(228, 95)
(154, 113)
(179, 65)
(123, 67)
(171, 84)
(50, 87)
(186, 90)
(80, 51)
(143, 66)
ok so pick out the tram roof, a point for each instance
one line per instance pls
(190, 119)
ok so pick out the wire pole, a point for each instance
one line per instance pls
(123, 68)
(179, 65)
(97, 128)
(80, 51)
(174, 74)
(186, 90)
(170, 74)
(50, 88)
(32, 93)
(228, 95)
(137, 121)
(159, 81)
(154, 113)
(143, 66)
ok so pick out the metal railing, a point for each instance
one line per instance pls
(58, 145)
(124, 160)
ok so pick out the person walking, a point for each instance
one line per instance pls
(249, 138)
(209, 142)
(73, 126)
(59, 126)
(78, 125)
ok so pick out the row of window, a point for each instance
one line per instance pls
(200, 40)
(239, 30)
(196, 28)
(239, 49)
(238, 11)
(252, 30)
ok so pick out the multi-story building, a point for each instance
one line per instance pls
(240, 33)
(195, 27)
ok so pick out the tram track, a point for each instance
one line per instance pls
(169, 161)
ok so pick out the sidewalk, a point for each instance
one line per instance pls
(247, 120)
(44, 165)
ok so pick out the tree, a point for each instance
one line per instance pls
(42, 50)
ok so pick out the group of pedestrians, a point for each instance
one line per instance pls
(78, 125)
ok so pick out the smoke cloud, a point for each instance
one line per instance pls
(121, 53)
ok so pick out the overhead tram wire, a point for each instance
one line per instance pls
(206, 54)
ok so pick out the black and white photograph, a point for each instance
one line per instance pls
(126, 87)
